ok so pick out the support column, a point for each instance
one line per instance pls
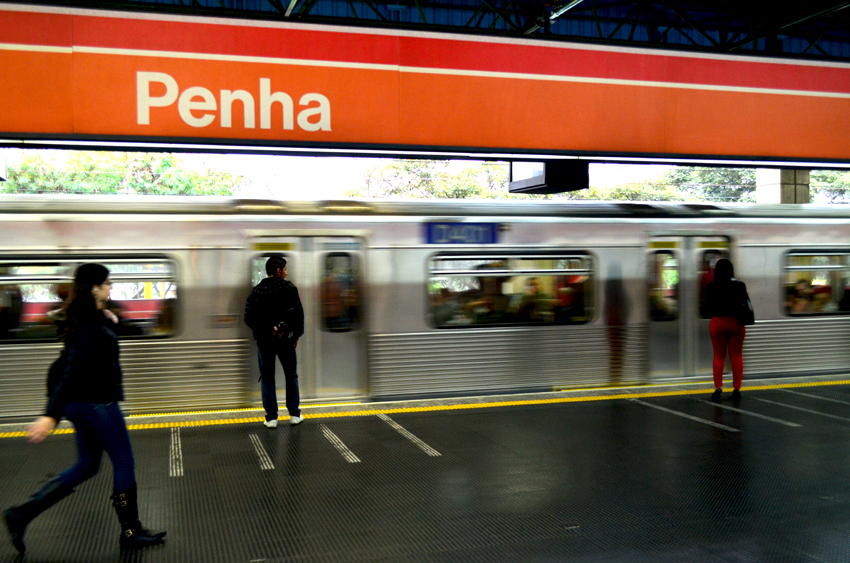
(775, 185)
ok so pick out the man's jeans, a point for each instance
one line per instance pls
(266, 353)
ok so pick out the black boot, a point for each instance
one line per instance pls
(133, 535)
(18, 517)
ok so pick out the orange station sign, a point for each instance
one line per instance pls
(94, 75)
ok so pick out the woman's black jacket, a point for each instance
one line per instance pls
(724, 298)
(92, 373)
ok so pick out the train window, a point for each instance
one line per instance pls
(817, 284)
(664, 286)
(510, 290)
(340, 294)
(33, 293)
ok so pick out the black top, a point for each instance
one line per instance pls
(724, 298)
(92, 373)
(271, 302)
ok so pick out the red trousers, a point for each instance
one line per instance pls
(727, 334)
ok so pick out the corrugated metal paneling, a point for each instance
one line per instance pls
(159, 376)
(169, 375)
(23, 377)
(795, 346)
(503, 359)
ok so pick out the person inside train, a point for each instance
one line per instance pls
(822, 300)
(86, 392)
(535, 306)
(443, 307)
(489, 304)
(802, 299)
(724, 298)
(569, 297)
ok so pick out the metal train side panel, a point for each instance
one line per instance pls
(488, 361)
(23, 378)
(797, 346)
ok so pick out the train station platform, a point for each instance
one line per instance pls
(655, 474)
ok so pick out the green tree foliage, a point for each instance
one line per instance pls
(829, 186)
(633, 191)
(711, 184)
(433, 179)
(92, 172)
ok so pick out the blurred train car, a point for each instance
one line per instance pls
(413, 299)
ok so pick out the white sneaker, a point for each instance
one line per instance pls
(270, 423)
(293, 420)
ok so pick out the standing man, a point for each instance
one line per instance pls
(273, 311)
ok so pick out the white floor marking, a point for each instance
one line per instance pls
(750, 413)
(340, 447)
(265, 460)
(175, 467)
(802, 409)
(683, 415)
(416, 441)
(816, 397)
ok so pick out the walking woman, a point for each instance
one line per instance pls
(724, 297)
(87, 394)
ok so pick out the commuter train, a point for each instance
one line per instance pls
(420, 299)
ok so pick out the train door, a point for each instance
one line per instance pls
(679, 268)
(340, 359)
(328, 271)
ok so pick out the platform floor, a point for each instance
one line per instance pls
(649, 474)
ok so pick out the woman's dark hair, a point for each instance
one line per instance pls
(82, 307)
(723, 270)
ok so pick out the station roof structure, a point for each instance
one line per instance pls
(818, 29)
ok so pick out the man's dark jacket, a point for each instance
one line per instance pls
(271, 302)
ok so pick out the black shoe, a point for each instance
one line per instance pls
(136, 536)
(716, 395)
(18, 517)
(133, 535)
(16, 527)
(736, 395)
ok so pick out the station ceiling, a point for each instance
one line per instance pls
(815, 29)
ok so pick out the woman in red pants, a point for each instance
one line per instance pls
(724, 297)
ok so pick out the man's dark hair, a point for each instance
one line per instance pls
(275, 263)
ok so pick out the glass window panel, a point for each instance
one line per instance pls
(340, 294)
(664, 286)
(33, 295)
(817, 284)
(509, 290)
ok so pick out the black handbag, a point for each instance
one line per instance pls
(746, 315)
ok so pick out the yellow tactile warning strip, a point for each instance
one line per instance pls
(433, 408)
(186, 413)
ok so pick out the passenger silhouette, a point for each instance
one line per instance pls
(724, 298)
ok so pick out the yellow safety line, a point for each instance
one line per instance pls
(464, 406)
(309, 406)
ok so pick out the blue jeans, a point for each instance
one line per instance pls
(100, 427)
(266, 353)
